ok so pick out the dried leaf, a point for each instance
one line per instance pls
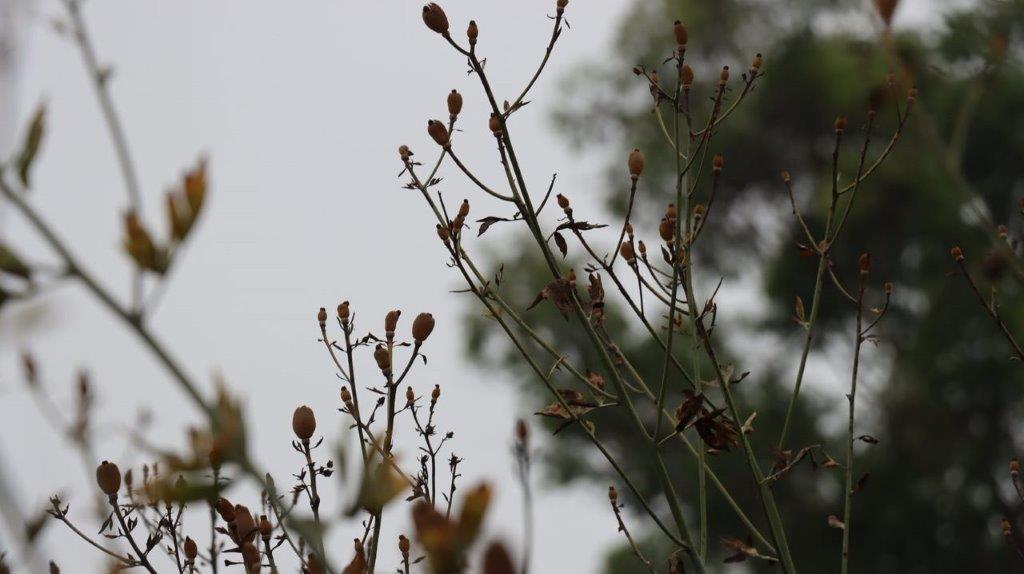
(12, 264)
(33, 140)
(834, 522)
(560, 242)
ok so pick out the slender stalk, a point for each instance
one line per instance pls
(143, 559)
(847, 495)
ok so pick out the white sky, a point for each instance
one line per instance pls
(300, 106)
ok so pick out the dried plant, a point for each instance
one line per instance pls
(179, 516)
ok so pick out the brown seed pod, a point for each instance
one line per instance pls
(391, 323)
(686, 77)
(443, 232)
(472, 32)
(383, 358)
(671, 212)
(864, 262)
(563, 201)
(109, 478)
(321, 317)
(404, 152)
(957, 253)
(613, 495)
(680, 32)
(435, 18)
(346, 396)
(191, 549)
(723, 76)
(435, 394)
(718, 162)
(438, 132)
(54, 569)
(245, 525)
(313, 565)
(410, 397)
(560, 5)
(303, 422)
(225, 509)
(265, 528)
(422, 327)
(635, 164)
(627, 253)
(642, 248)
(403, 545)
(495, 125)
(454, 103)
(344, 312)
(464, 209)
(251, 557)
(840, 124)
(667, 229)
(755, 65)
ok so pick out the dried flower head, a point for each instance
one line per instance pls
(304, 422)
(344, 312)
(265, 527)
(435, 18)
(404, 152)
(410, 397)
(686, 77)
(435, 394)
(472, 32)
(957, 253)
(840, 124)
(495, 125)
(613, 495)
(755, 65)
(718, 162)
(667, 229)
(422, 327)
(627, 253)
(383, 358)
(108, 477)
(723, 76)
(321, 317)
(191, 549)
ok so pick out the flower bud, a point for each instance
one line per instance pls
(435, 18)
(613, 495)
(718, 162)
(303, 422)
(383, 358)
(686, 77)
(265, 528)
(680, 31)
(422, 327)
(454, 103)
(321, 317)
(410, 397)
(404, 152)
(435, 394)
(642, 248)
(109, 478)
(391, 323)
(225, 509)
(313, 565)
(403, 545)
(560, 5)
(495, 125)
(344, 312)
(635, 164)
(864, 261)
(840, 124)
(346, 396)
(723, 76)
(666, 229)
(191, 549)
(755, 65)
(472, 32)
(464, 209)
(438, 132)
(443, 232)
(563, 201)
(957, 253)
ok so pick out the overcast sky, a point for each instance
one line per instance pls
(300, 107)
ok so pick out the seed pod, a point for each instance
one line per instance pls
(522, 433)
(495, 125)
(785, 176)
(265, 528)
(957, 253)
(225, 509)
(383, 358)
(635, 164)
(303, 422)
(680, 31)
(54, 569)
(454, 104)
(667, 229)
(422, 327)
(560, 5)
(912, 95)
(245, 525)
(686, 77)
(191, 549)
(346, 396)
(438, 132)
(864, 261)
(321, 317)
(404, 152)
(723, 76)
(403, 545)
(887, 287)
(840, 124)
(1014, 467)
(109, 478)
(698, 210)
(435, 18)
(410, 397)
(671, 212)
(718, 162)
(755, 66)
(642, 248)
(563, 201)
(313, 565)
(442, 232)
(464, 208)
(626, 250)
(250, 558)
(613, 495)
(435, 394)
(344, 312)
(472, 32)
(391, 323)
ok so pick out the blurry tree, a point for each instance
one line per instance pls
(944, 400)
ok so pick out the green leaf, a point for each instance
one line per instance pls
(30, 148)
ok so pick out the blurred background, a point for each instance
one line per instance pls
(300, 109)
